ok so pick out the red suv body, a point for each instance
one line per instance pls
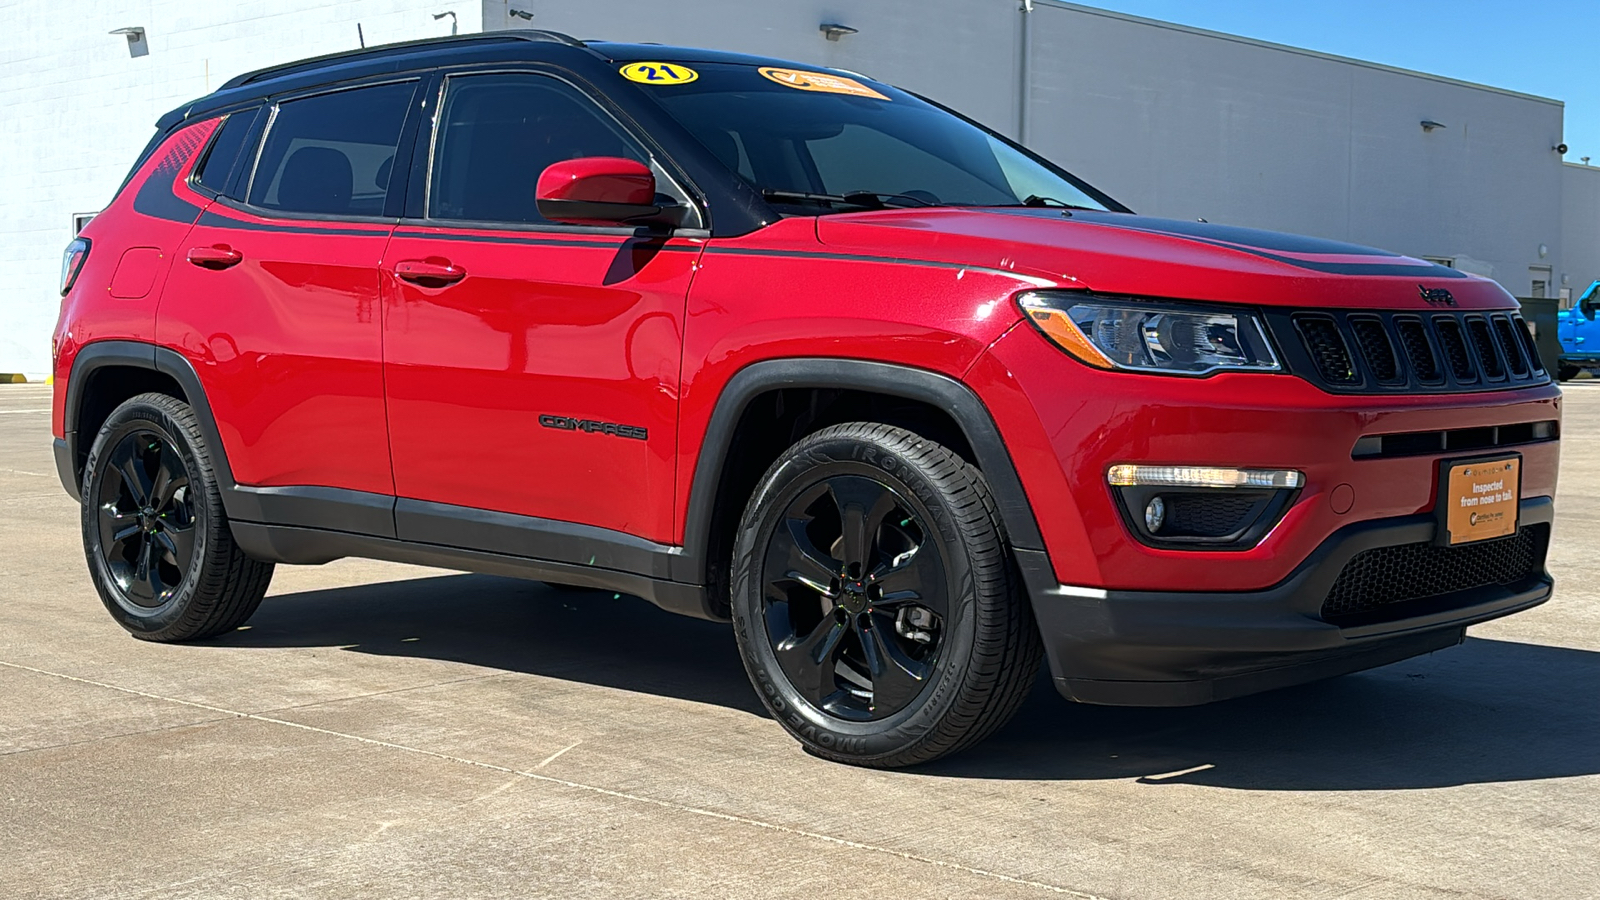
(1215, 460)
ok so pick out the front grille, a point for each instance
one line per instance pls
(1380, 580)
(1381, 352)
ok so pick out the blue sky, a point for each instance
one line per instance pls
(1545, 47)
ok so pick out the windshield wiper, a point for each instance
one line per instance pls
(1037, 202)
(864, 199)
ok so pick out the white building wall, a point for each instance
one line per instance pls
(76, 108)
(1170, 120)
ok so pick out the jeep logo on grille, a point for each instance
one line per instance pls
(1436, 296)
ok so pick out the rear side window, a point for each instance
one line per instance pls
(332, 154)
(225, 149)
(497, 133)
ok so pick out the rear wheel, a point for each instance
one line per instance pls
(157, 540)
(1567, 373)
(874, 600)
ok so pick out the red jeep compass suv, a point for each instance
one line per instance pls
(910, 405)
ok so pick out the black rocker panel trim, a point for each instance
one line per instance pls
(441, 524)
(860, 375)
(290, 544)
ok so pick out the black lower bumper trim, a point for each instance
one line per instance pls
(1182, 648)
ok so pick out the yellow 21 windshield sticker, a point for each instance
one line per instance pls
(820, 82)
(659, 73)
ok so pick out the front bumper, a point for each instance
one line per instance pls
(1145, 648)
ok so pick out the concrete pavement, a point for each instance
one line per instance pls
(390, 731)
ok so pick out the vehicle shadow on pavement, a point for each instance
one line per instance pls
(1487, 711)
(518, 626)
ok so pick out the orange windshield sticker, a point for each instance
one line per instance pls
(820, 82)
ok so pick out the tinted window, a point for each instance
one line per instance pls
(332, 154)
(497, 133)
(225, 149)
(856, 137)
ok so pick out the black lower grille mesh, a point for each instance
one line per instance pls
(1385, 576)
(1193, 515)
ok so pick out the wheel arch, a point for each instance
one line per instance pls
(709, 494)
(105, 374)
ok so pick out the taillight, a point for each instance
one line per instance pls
(72, 262)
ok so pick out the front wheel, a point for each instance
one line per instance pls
(874, 600)
(157, 540)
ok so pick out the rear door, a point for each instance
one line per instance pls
(531, 368)
(275, 296)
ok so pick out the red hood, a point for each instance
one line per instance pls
(1120, 253)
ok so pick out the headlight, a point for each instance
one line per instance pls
(1151, 336)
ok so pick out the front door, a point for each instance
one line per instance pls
(531, 368)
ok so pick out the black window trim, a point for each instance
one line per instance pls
(416, 210)
(420, 79)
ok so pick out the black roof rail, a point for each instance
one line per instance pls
(400, 49)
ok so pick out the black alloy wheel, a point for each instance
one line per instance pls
(146, 518)
(155, 534)
(855, 598)
(874, 599)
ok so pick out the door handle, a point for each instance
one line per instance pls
(429, 272)
(218, 257)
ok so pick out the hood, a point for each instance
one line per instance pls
(1126, 254)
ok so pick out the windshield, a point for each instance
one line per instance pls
(815, 143)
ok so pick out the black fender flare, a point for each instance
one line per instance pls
(138, 355)
(942, 391)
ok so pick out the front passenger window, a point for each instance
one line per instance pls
(332, 154)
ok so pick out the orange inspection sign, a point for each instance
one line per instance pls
(1482, 499)
(820, 82)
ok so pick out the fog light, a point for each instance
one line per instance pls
(1155, 515)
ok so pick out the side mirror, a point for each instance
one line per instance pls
(602, 190)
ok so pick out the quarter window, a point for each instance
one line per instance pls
(498, 133)
(332, 154)
(225, 150)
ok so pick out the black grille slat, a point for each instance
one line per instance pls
(1376, 349)
(1328, 349)
(1510, 346)
(1483, 346)
(1455, 349)
(1419, 353)
(1528, 345)
(1385, 577)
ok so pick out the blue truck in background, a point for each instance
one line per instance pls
(1579, 334)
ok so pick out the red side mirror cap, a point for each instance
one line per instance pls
(597, 190)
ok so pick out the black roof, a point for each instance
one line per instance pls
(493, 46)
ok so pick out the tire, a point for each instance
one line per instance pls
(156, 538)
(1567, 373)
(875, 600)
